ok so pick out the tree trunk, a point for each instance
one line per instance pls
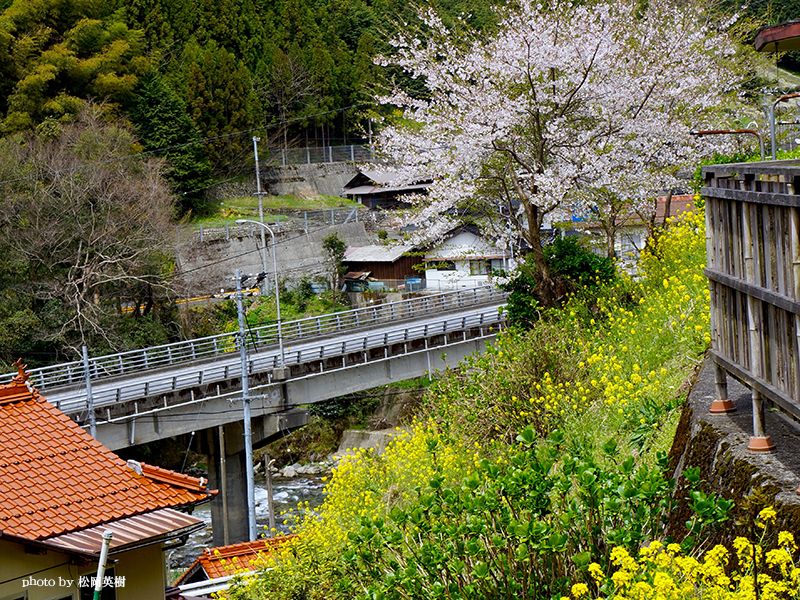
(667, 207)
(545, 292)
(534, 232)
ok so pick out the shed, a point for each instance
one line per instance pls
(385, 263)
(374, 189)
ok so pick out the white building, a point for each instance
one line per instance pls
(464, 259)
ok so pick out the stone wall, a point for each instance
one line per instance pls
(717, 445)
(208, 265)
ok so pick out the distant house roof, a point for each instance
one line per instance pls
(235, 558)
(56, 480)
(779, 38)
(678, 206)
(372, 182)
(370, 254)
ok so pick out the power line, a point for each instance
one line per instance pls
(184, 145)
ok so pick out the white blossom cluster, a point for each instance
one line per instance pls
(564, 106)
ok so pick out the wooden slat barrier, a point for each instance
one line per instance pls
(753, 267)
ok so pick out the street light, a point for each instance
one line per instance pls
(260, 203)
(277, 291)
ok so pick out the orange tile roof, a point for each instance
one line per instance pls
(235, 558)
(55, 478)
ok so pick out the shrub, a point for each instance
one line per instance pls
(571, 265)
(568, 258)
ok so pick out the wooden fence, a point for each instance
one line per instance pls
(753, 267)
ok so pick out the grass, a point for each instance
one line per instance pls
(246, 207)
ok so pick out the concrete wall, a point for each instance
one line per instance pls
(51, 582)
(144, 572)
(211, 263)
(323, 179)
(308, 181)
(56, 579)
(717, 445)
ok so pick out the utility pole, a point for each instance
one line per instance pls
(260, 207)
(248, 426)
(89, 398)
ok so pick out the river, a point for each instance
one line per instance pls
(288, 493)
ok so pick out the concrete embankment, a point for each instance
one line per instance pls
(360, 438)
(717, 445)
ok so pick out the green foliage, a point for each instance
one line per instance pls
(568, 258)
(570, 263)
(525, 526)
(54, 55)
(531, 467)
(164, 126)
(344, 406)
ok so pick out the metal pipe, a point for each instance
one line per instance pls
(101, 565)
(270, 496)
(89, 396)
(772, 118)
(248, 426)
(223, 480)
(737, 132)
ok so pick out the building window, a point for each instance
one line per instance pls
(478, 267)
(441, 265)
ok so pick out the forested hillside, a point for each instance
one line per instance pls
(99, 99)
(179, 70)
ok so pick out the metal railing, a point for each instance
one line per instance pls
(753, 266)
(487, 324)
(320, 154)
(170, 355)
(298, 220)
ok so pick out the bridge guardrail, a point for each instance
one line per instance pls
(166, 383)
(135, 361)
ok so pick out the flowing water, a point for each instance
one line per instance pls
(287, 494)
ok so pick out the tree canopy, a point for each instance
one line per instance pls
(85, 222)
(521, 127)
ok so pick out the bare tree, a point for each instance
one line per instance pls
(289, 89)
(90, 217)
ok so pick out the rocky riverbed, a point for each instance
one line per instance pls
(291, 486)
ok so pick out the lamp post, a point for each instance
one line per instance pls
(260, 204)
(277, 291)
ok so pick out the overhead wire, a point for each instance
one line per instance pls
(183, 145)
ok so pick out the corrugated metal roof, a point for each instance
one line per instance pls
(367, 254)
(779, 38)
(146, 529)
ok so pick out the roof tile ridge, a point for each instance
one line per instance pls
(173, 478)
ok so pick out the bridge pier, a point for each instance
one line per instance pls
(227, 473)
(224, 446)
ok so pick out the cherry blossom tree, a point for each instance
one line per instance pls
(563, 107)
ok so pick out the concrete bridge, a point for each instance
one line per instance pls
(194, 387)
